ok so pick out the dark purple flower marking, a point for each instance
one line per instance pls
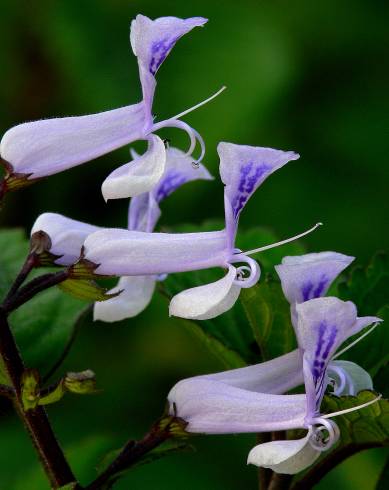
(169, 184)
(159, 50)
(308, 290)
(325, 341)
(250, 177)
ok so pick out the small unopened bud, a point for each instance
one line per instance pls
(81, 383)
(30, 388)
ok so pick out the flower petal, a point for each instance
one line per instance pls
(276, 376)
(243, 169)
(289, 457)
(138, 176)
(323, 324)
(136, 294)
(152, 41)
(49, 146)
(209, 301)
(357, 379)
(309, 276)
(67, 235)
(135, 253)
(213, 407)
(144, 209)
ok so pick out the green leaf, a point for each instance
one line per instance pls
(268, 314)
(383, 479)
(367, 287)
(69, 486)
(227, 357)
(42, 326)
(367, 425)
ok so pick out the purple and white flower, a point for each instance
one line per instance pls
(137, 253)
(251, 399)
(42, 148)
(68, 236)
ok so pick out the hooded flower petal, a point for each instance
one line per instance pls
(323, 325)
(209, 301)
(134, 253)
(144, 209)
(309, 276)
(45, 147)
(138, 176)
(214, 407)
(136, 294)
(289, 457)
(152, 41)
(243, 169)
(67, 235)
(349, 378)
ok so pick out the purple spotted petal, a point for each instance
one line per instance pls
(132, 253)
(323, 324)
(144, 209)
(48, 146)
(152, 41)
(243, 169)
(309, 276)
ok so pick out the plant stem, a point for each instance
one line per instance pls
(317, 472)
(132, 452)
(29, 264)
(34, 287)
(35, 420)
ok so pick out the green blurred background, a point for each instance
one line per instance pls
(301, 75)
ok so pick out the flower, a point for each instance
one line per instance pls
(309, 276)
(42, 148)
(67, 236)
(134, 253)
(251, 399)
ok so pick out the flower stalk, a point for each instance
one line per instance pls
(35, 420)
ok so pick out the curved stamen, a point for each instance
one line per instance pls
(180, 125)
(319, 440)
(283, 242)
(352, 409)
(339, 353)
(246, 281)
(338, 387)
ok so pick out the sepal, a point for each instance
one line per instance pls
(40, 245)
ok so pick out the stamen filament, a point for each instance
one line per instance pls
(355, 341)
(283, 242)
(352, 409)
(191, 109)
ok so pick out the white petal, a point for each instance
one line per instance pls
(67, 235)
(49, 146)
(288, 457)
(209, 301)
(138, 176)
(136, 294)
(213, 407)
(134, 253)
